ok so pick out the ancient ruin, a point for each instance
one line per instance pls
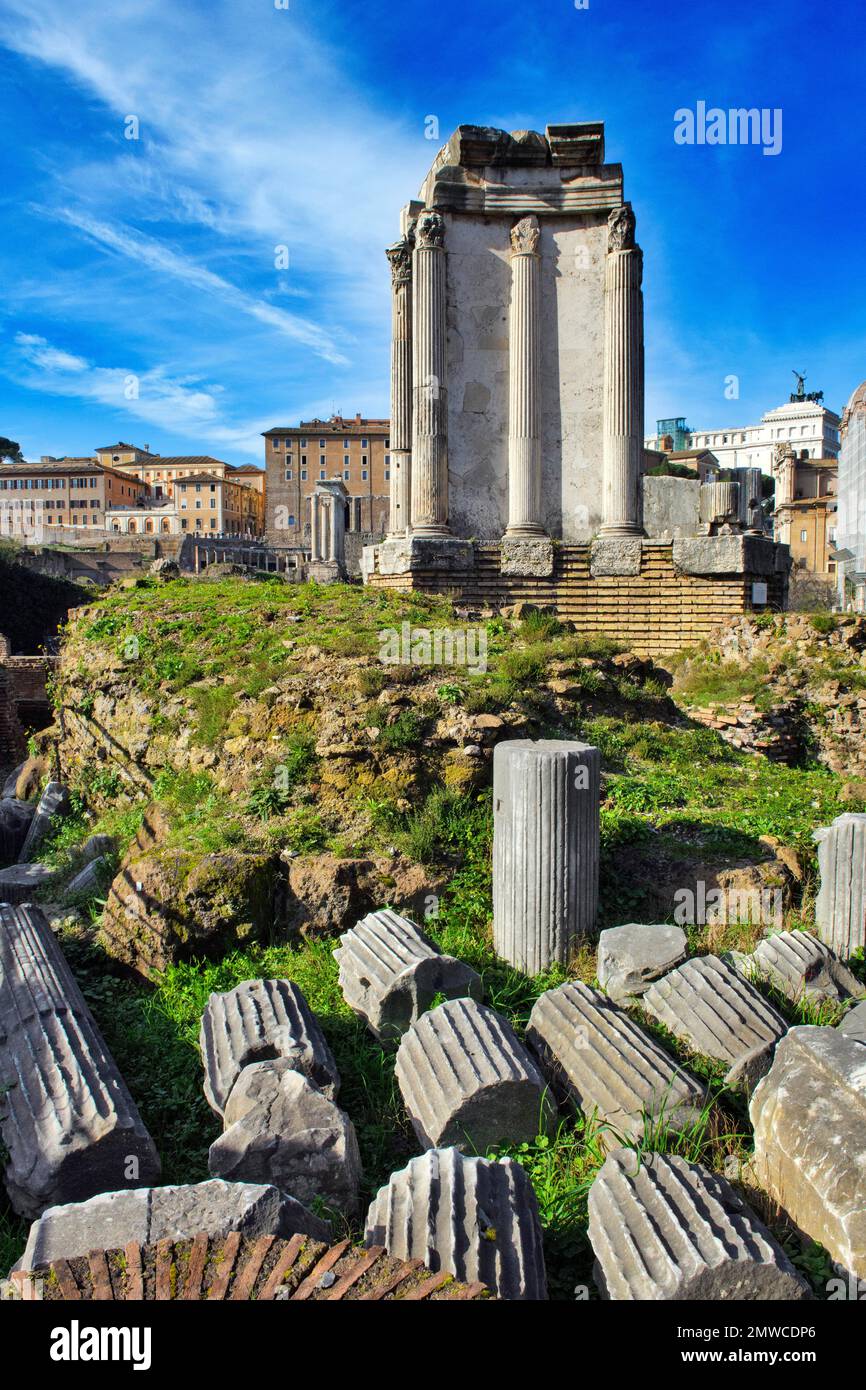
(517, 388)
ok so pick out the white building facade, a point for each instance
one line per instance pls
(851, 518)
(805, 426)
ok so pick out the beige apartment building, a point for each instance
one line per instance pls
(806, 511)
(209, 494)
(67, 492)
(355, 451)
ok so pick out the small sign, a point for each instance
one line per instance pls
(759, 594)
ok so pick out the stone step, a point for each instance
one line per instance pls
(237, 1269)
(809, 1117)
(466, 1080)
(709, 1004)
(598, 1058)
(473, 1218)
(801, 966)
(662, 1228)
(256, 1021)
(840, 907)
(390, 973)
(67, 1120)
(149, 1214)
(545, 849)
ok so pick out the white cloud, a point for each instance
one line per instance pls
(183, 406)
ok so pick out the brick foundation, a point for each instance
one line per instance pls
(655, 613)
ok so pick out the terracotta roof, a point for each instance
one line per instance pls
(199, 478)
(113, 448)
(186, 460)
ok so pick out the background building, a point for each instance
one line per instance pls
(805, 515)
(851, 520)
(805, 424)
(357, 452)
(69, 492)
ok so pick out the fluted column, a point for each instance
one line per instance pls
(524, 444)
(623, 378)
(429, 483)
(314, 526)
(400, 257)
(333, 544)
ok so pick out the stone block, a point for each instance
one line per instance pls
(809, 1118)
(752, 555)
(598, 1059)
(67, 1120)
(146, 1214)
(465, 1080)
(665, 1229)
(424, 553)
(15, 818)
(615, 556)
(854, 1023)
(709, 1004)
(89, 879)
(545, 849)
(280, 1129)
(630, 957)
(470, 1217)
(52, 804)
(98, 847)
(20, 882)
(11, 783)
(390, 973)
(801, 966)
(258, 1021)
(840, 908)
(530, 556)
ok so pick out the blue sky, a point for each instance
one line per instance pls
(148, 265)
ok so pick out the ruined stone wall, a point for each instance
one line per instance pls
(24, 702)
(655, 613)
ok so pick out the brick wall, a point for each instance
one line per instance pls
(23, 701)
(655, 613)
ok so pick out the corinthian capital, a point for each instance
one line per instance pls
(524, 236)
(620, 229)
(400, 257)
(430, 229)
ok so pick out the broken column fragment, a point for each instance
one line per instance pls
(801, 966)
(52, 804)
(545, 849)
(281, 1129)
(466, 1080)
(809, 1116)
(709, 1004)
(840, 908)
(662, 1228)
(598, 1058)
(67, 1119)
(257, 1021)
(390, 972)
(630, 957)
(471, 1217)
(854, 1023)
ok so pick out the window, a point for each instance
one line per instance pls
(183, 523)
(321, 443)
(198, 503)
(804, 534)
(198, 487)
(387, 441)
(303, 443)
(345, 443)
(346, 460)
(345, 475)
(278, 443)
(288, 475)
(303, 475)
(363, 443)
(321, 460)
(213, 501)
(213, 523)
(321, 475)
(387, 460)
(387, 475)
(291, 518)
